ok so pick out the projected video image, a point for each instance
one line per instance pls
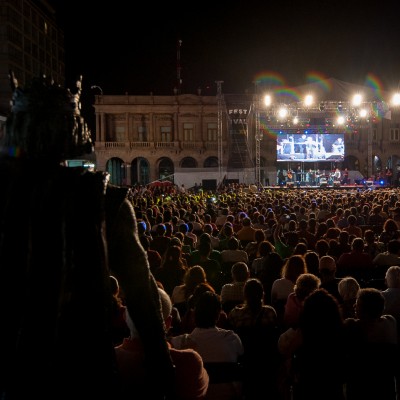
(310, 147)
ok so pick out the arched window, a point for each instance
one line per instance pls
(188, 162)
(211, 162)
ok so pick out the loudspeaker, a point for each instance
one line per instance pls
(336, 183)
(323, 182)
(369, 183)
(290, 184)
(209, 184)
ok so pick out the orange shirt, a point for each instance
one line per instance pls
(191, 379)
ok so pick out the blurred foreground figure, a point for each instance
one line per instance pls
(63, 231)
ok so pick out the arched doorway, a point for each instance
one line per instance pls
(140, 171)
(117, 170)
(166, 169)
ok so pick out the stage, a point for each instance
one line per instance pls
(294, 186)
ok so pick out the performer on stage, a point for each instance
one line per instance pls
(281, 178)
(289, 175)
(389, 175)
(336, 175)
(298, 173)
(310, 177)
(345, 180)
(317, 176)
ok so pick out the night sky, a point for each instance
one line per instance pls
(132, 46)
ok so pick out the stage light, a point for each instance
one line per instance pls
(308, 100)
(396, 99)
(357, 100)
(283, 113)
(267, 100)
(340, 120)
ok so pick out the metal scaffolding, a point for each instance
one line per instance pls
(219, 136)
(258, 135)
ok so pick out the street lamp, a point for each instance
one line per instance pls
(97, 87)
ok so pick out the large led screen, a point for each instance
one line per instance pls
(311, 147)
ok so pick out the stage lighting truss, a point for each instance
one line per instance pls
(336, 115)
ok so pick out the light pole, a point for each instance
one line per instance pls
(97, 87)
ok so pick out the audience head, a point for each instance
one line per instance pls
(265, 248)
(233, 243)
(161, 230)
(300, 248)
(259, 235)
(253, 293)
(370, 304)
(207, 310)
(195, 275)
(348, 288)
(306, 284)
(390, 225)
(293, 267)
(369, 236)
(204, 248)
(142, 227)
(198, 291)
(393, 246)
(240, 271)
(392, 277)
(321, 318)
(327, 265)
(322, 247)
(312, 261)
(358, 244)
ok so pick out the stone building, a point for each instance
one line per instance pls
(194, 139)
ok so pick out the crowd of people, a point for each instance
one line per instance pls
(300, 288)
(119, 292)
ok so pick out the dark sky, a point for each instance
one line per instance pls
(132, 46)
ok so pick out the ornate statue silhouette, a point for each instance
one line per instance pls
(63, 231)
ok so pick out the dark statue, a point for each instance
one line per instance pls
(63, 231)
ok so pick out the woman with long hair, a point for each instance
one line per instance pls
(172, 269)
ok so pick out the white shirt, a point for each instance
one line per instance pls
(213, 344)
(281, 288)
(178, 294)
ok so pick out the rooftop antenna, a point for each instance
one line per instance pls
(178, 67)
